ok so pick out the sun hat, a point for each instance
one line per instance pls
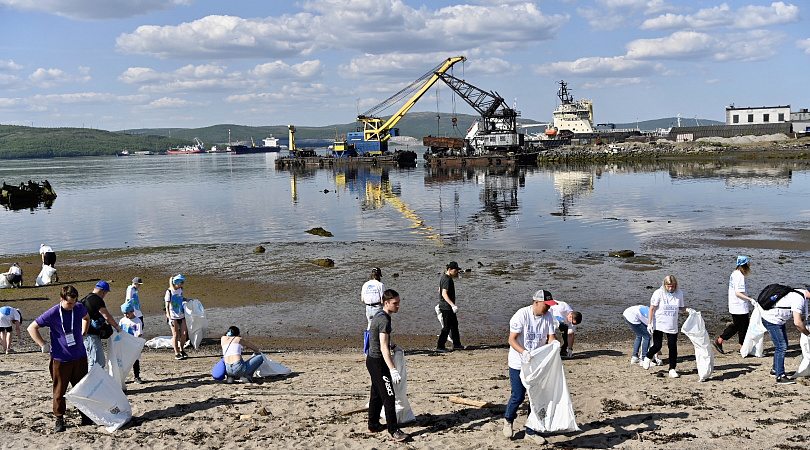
(177, 279)
(138, 280)
(103, 285)
(545, 297)
(742, 259)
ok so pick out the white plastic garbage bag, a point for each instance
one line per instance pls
(123, 349)
(550, 400)
(695, 329)
(160, 342)
(270, 368)
(804, 365)
(4, 283)
(100, 398)
(196, 322)
(754, 342)
(402, 405)
(45, 276)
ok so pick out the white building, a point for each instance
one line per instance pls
(755, 116)
(801, 121)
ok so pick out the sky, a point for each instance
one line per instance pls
(124, 64)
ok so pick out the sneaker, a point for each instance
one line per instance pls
(60, 425)
(673, 373)
(377, 428)
(86, 420)
(646, 363)
(228, 379)
(784, 380)
(658, 361)
(634, 360)
(246, 379)
(773, 373)
(536, 438)
(183, 354)
(399, 436)
(178, 356)
(441, 350)
(507, 429)
(138, 380)
(718, 346)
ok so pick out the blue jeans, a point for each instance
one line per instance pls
(642, 338)
(779, 337)
(518, 394)
(95, 351)
(244, 368)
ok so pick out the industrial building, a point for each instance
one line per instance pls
(749, 121)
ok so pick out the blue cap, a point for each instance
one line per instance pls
(178, 279)
(742, 260)
(127, 307)
(103, 285)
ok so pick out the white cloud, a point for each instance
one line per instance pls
(84, 97)
(804, 45)
(9, 65)
(48, 78)
(10, 102)
(751, 16)
(367, 26)
(95, 9)
(615, 67)
(10, 82)
(614, 14)
(167, 103)
(141, 75)
(602, 83)
(755, 45)
(280, 69)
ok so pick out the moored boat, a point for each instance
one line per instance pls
(198, 147)
(270, 144)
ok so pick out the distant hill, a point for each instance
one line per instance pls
(29, 142)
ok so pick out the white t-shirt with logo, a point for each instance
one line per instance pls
(372, 292)
(560, 312)
(667, 305)
(533, 332)
(638, 314)
(783, 310)
(737, 305)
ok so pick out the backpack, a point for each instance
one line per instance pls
(773, 293)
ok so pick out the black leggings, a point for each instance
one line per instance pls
(672, 345)
(739, 326)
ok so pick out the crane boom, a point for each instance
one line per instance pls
(375, 129)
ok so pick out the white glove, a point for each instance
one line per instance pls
(45, 348)
(395, 376)
(570, 352)
(650, 328)
(526, 356)
(690, 311)
(455, 308)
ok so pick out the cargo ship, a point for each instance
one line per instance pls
(270, 144)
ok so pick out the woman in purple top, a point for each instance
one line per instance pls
(67, 321)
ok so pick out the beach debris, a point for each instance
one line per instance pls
(263, 411)
(27, 195)
(324, 262)
(318, 231)
(258, 249)
(349, 412)
(468, 402)
(623, 254)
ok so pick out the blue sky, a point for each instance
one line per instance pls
(118, 64)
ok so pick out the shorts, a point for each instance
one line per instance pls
(177, 321)
(6, 329)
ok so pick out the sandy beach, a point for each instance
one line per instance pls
(308, 318)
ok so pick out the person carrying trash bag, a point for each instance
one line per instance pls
(531, 327)
(791, 307)
(739, 305)
(68, 357)
(383, 372)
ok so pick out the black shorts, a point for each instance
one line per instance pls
(49, 258)
(6, 329)
(176, 322)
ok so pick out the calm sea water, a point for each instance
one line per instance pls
(138, 201)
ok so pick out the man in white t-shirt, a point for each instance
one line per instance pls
(371, 294)
(9, 317)
(567, 319)
(791, 306)
(531, 327)
(14, 275)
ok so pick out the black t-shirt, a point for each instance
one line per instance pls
(446, 282)
(93, 303)
(381, 323)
